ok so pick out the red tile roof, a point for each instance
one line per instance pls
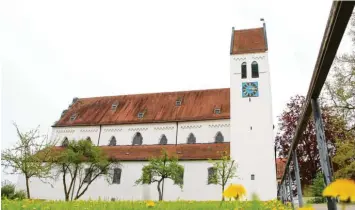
(182, 151)
(280, 167)
(144, 152)
(158, 107)
(248, 41)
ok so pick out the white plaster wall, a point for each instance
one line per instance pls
(253, 149)
(151, 133)
(195, 185)
(204, 131)
(75, 133)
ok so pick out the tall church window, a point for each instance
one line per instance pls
(87, 176)
(244, 70)
(219, 137)
(191, 139)
(254, 70)
(112, 141)
(163, 139)
(65, 142)
(181, 176)
(116, 176)
(137, 139)
(212, 175)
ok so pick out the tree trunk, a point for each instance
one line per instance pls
(65, 186)
(159, 190)
(162, 190)
(28, 187)
(222, 192)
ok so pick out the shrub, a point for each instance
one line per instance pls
(8, 191)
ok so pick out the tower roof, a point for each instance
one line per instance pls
(248, 41)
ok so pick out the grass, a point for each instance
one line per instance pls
(130, 205)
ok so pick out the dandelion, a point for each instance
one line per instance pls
(306, 208)
(150, 204)
(342, 188)
(234, 191)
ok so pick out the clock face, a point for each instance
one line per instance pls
(250, 89)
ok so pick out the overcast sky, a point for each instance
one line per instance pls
(53, 51)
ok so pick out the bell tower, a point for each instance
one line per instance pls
(252, 140)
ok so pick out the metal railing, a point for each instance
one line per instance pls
(338, 19)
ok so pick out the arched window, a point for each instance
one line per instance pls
(65, 142)
(191, 139)
(219, 137)
(137, 139)
(212, 175)
(254, 70)
(244, 70)
(163, 139)
(112, 141)
(116, 176)
(88, 139)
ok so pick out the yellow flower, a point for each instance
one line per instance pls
(306, 208)
(150, 204)
(342, 188)
(234, 191)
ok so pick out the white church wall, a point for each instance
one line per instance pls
(151, 133)
(204, 131)
(75, 133)
(252, 127)
(195, 182)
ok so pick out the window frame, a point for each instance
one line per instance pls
(254, 69)
(119, 173)
(135, 136)
(191, 135)
(211, 172)
(217, 135)
(113, 138)
(244, 70)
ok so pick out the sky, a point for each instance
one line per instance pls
(53, 51)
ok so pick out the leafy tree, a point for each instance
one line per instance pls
(223, 170)
(318, 185)
(340, 86)
(345, 158)
(307, 151)
(84, 163)
(161, 168)
(22, 158)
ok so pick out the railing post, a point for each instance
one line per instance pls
(290, 187)
(323, 150)
(298, 180)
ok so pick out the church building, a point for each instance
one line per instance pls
(195, 125)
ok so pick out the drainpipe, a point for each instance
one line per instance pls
(98, 140)
(177, 127)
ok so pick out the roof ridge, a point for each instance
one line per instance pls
(152, 93)
(248, 29)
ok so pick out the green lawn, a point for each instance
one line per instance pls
(115, 205)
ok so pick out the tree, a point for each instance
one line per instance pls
(345, 158)
(82, 162)
(340, 87)
(307, 151)
(222, 171)
(161, 168)
(318, 185)
(22, 158)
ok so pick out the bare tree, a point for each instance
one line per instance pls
(23, 158)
